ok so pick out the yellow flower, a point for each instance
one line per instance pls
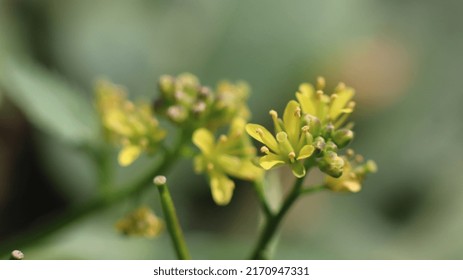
(141, 222)
(231, 155)
(333, 109)
(292, 143)
(355, 171)
(132, 126)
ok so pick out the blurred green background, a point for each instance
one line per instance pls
(403, 57)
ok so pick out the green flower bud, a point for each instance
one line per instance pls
(314, 124)
(331, 164)
(177, 113)
(343, 137)
(328, 130)
(319, 143)
(167, 85)
(330, 146)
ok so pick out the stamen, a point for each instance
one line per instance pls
(264, 150)
(297, 113)
(292, 156)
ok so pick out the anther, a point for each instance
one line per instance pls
(273, 113)
(297, 113)
(264, 150)
(292, 156)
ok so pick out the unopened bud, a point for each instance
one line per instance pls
(166, 84)
(177, 113)
(371, 167)
(319, 143)
(331, 164)
(199, 107)
(328, 130)
(343, 137)
(330, 146)
(314, 124)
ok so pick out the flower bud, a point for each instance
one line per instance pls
(177, 113)
(328, 130)
(331, 164)
(343, 137)
(319, 143)
(166, 85)
(330, 146)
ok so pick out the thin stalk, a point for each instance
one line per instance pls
(259, 188)
(272, 223)
(172, 222)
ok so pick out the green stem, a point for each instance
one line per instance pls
(259, 188)
(170, 215)
(272, 222)
(309, 190)
(98, 203)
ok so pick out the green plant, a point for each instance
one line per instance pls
(312, 133)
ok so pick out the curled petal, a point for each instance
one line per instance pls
(271, 160)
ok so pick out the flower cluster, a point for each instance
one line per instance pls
(231, 155)
(133, 126)
(312, 128)
(188, 103)
(355, 170)
(141, 222)
(202, 110)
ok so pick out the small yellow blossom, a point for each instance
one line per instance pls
(132, 126)
(355, 171)
(292, 143)
(230, 155)
(141, 222)
(328, 109)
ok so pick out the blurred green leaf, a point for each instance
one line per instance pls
(49, 102)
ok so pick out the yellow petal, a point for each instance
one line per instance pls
(237, 126)
(270, 161)
(128, 154)
(262, 135)
(204, 140)
(221, 188)
(292, 121)
(306, 152)
(239, 168)
(305, 98)
(338, 104)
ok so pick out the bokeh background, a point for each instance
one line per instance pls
(403, 57)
